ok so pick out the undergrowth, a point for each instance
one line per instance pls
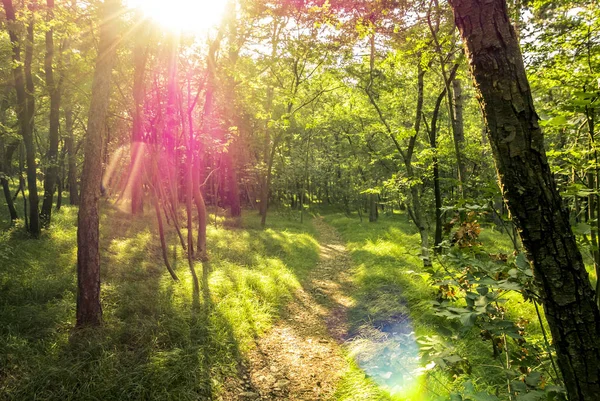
(391, 284)
(155, 342)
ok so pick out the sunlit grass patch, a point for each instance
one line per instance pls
(155, 342)
(390, 286)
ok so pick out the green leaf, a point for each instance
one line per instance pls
(453, 359)
(531, 396)
(555, 121)
(468, 319)
(533, 379)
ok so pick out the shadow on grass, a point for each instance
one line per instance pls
(158, 342)
(389, 283)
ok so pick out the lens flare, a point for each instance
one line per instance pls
(188, 16)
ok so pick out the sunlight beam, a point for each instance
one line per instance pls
(187, 16)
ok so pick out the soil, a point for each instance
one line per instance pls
(301, 357)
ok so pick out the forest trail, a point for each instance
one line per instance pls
(301, 357)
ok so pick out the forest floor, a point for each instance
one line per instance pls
(301, 357)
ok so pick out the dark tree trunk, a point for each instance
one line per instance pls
(71, 157)
(22, 184)
(264, 199)
(9, 202)
(436, 167)
(436, 171)
(59, 191)
(372, 208)
(5, 162)
(89, 310)
(54, 91)
(233, 193)
(458, 131)
(8, 156)
(25, 109)
(530, 192)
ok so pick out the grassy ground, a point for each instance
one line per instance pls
(388, 287)
(391, 285)
(155, 344)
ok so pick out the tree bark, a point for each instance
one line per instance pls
(25, 108)
(233, 193)
(530, 191)
(436, 171)
(50, 179)
(89, 310)
(71, 157)
(372, 208)
(458, 132)
(137, 149)
(4, 168)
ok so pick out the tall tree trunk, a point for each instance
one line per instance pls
(4, 168)
(269, 150)
(34, 213)
(197, 192)
(22, 183)
(436, 167)
(71, 157)
(266, 182)
(202, 215)
(233, 193)
(137, 149)
(89, 310)
(264, 199)
(458, 132)
(530, 191)
(54, 91)
(436, 171)
(25, 108)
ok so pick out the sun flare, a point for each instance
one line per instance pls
(191, 16)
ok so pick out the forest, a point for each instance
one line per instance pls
(300, 200)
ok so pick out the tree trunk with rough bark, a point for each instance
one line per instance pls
(458, 132)
(71, 157)
(530, 191)
(5, 161)
(89, 310)
(25, 108)
(372, 208)
(140, 53)
(50, 179)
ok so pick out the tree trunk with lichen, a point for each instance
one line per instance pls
(529, 189)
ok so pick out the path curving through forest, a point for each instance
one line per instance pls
(301, 357)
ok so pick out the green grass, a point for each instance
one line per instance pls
(155, 343)
(390, 283)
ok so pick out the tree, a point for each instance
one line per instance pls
(25, 107)
(140, 57)
(89, 310)
(530, 191)
(5, 161)
(54, 89)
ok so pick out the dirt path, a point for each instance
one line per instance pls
(301, 357)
